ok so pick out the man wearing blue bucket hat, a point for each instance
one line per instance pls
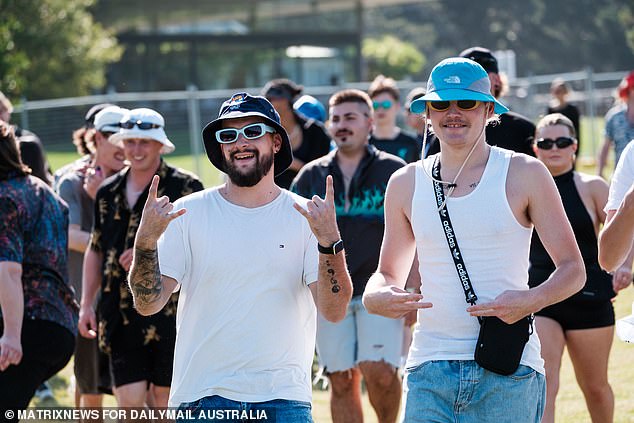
(469, 211)
(250, 270)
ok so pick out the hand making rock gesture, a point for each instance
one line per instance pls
(321, 215)
(157, 214)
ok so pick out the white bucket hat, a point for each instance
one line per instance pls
(108, 118)
(146, 124)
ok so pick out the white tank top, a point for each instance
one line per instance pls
(495, 248)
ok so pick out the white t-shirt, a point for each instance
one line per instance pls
(246, 317)
(622, 179)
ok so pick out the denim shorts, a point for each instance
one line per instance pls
(462, 391)
(359, 337)
(217, 408)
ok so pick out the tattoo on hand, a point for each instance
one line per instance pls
(145, 277)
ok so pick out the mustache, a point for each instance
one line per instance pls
(343, 132)
(252, 151)
(454, 121)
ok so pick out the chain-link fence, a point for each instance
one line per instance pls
(186, 112)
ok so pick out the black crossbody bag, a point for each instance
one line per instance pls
(500, 345)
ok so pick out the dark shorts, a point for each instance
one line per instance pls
(46, 349)
(572, 315)
(91, 367)
(152, 362)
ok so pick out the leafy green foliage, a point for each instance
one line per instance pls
(547, 36)
(390, 56)
(53, 48)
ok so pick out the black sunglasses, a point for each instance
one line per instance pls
(140, 124)
(441, 106)
(561, 142)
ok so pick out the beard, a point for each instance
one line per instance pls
(252, 176)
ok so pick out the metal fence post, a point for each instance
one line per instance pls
(590, 106)
(193, 114)
(24, 116)
(530, 93)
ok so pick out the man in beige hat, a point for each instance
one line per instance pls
(141, 349)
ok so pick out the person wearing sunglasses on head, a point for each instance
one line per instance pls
(387, 136)
(309, 138)
(140, 348)
(469, 212)
(583, 323)
(253, 262)
(512, 130)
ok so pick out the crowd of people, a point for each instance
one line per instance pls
(130, 265)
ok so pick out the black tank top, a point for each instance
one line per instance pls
(599, 283)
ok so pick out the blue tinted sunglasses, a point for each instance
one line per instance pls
(250, 132)
(382, 104)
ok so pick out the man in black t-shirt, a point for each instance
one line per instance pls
(513, 131)
(387, 136)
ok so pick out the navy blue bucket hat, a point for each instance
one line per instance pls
(458, 78)
(243, 105)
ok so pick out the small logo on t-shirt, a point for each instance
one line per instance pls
(281, 245)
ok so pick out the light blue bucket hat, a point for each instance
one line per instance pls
(458, 78)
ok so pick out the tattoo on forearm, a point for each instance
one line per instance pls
(145, 277)
(335, 288)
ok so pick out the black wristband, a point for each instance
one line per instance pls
(332, 250)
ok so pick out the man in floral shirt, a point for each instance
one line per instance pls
(141, 348)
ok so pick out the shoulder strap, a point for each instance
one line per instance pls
(465, 281)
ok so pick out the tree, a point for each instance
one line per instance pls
(392, 57)
(52, 48)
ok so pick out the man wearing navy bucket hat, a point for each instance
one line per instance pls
(250, 270)
(469, 212)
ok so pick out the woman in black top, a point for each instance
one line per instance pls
(584, 323)
(560, 90)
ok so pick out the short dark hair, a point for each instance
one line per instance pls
(350, 96)
(282, 87)
(10, 161)
(381, 84)
(483, 57)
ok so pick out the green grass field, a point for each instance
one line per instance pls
(570, 404)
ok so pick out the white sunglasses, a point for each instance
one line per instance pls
(250, 132)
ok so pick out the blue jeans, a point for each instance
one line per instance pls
(461, 391)
(217, 408)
